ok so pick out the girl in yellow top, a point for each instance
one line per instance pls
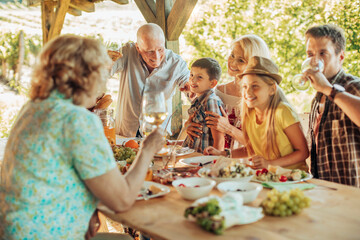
(271, 127)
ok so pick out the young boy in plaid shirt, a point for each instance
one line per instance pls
(204, 75)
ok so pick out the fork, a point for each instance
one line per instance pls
(174, 146)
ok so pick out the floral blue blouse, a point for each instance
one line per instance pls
(53, 146)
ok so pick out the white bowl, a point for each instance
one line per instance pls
(190, 192)
(203, 173)
(249, 191)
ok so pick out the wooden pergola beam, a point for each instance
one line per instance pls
(74, 11)
(82, 5)
(47, 16)
(160, 14)
(179, 15)
(121, 1)
(146, 11)
(33, 3)
(58, 20)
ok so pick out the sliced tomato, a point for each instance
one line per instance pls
(264, 171)
(283, 178)
(258, 172)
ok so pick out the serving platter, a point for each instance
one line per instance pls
(308, 177)
(203, 173)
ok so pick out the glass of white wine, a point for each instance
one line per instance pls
(298, 82)
(154, 108)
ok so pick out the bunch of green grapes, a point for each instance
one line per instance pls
(124, 153)
(286, 203)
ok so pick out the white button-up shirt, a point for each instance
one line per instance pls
(135, 79)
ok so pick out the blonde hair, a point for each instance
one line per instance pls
(271, 147)
(72, 65)
(252, 45)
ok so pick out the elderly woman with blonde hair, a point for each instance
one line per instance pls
(58, 163)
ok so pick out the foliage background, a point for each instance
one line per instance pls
(282, 25)
(209, 32)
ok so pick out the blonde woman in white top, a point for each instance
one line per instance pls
(242, 49)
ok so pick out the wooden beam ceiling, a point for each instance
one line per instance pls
(58, 21)
(121, 1)
(83, 5)
(146, 10)
(74, 11)
(179, 15)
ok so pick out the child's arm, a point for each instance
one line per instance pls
(219, 139)
(298, 142)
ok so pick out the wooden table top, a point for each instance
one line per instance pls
(333, 214)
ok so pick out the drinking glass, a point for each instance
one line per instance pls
(154, 108)
(298, 82)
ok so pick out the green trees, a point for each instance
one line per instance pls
(281, 24)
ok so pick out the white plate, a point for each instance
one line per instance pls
(120, 141)
(179, 152)
(308, 177)
(195, 161)
(164, 190)
(202, 171)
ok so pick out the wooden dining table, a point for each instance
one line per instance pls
(334, 213)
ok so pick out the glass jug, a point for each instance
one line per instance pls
(107, 119)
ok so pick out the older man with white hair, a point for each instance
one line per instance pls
(146, 66)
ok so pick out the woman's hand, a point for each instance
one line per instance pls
(154, 142)
(212, 151)
(94, 226)
(217, 122)
(193, 129)
(259, 162)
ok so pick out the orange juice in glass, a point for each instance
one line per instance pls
(106, 117)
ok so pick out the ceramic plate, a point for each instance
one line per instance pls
(120, 141)
(180, 151)
(203, 173)
(308, 177)
(195, 161)
(164, 190)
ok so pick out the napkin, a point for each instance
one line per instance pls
(216, 214)
(281, 187)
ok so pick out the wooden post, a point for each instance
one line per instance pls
(47, 15)
(171, 16)
(176, 120)
(21, 56)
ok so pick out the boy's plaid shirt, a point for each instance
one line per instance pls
(206, 102)
(335, 156)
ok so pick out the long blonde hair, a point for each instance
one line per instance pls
(270, 137)
(72, 65)
(252, 45)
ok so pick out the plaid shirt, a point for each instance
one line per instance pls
(335, 155)
(206, 102)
